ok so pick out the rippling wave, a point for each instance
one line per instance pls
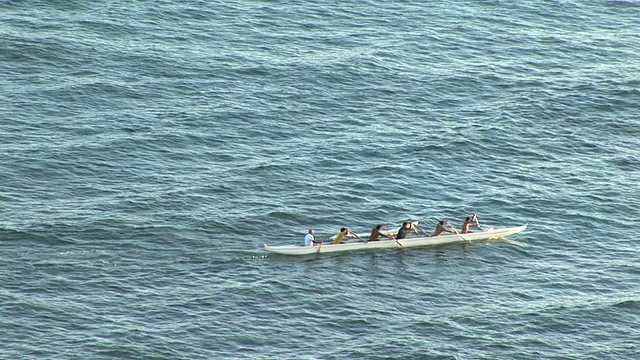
(150, 150)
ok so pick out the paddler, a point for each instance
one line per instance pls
(310, 239)
(440, 228)
(468, 223)
(402, 232)
(375, 233)
(344, 232)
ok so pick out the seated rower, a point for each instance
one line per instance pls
(310, 239)
(440, 228)
(402, 232)
(468, 223)
(344, 232)
(375, 233)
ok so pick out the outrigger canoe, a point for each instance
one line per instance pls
(490, 233)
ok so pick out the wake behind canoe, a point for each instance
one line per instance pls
(492, 233)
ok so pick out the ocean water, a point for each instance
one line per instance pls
(148, 150)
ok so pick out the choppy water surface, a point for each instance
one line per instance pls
(148, 150)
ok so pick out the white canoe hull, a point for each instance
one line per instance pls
(404, 243)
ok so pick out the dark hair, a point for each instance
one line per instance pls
(342, 230)
(467, 219)
(441, 222)
(378, 226)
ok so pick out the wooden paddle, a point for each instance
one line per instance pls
(386, 226)
(475, 218)
(319, 247)
(457, 233)
(419, 228)
(396, 240)
(354, 235)
(357, 237)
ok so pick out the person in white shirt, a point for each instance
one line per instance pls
(310, 239)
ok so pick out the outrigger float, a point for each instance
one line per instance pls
(485, 234)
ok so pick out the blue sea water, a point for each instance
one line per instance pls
(148, 150)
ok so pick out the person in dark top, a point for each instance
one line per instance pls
(375, 233)
(402, 233)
